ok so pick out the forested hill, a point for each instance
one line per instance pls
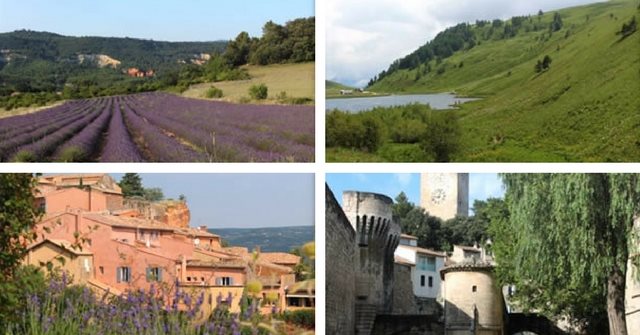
(281, 239)
(40, 67)
(557, 86)
(32, 61)
(29, 45)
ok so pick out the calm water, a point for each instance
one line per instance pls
(436, 101)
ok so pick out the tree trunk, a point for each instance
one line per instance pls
(615, 302)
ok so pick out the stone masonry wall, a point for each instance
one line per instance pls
(340, 269)
(404, 301)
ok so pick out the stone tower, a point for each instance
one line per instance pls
(445, 195)
(473, 301)
(377, 237)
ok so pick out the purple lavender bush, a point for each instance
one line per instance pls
(67, 309)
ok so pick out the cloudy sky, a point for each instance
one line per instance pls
(365, 36)
(481, 185)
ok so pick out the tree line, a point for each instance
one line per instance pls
(293, 42)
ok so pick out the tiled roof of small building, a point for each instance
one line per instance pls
(280, 258)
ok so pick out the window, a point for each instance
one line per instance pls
(426, 263)
(123, 274)
(154, 274)
(430, 281)
(422, 280)
(101, 270)
(474, 288)
(224, 281)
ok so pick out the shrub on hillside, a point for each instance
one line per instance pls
(628, 28)
(303, 317)
(360, 131)
(213, 92)
(258, 92)
(442, 137)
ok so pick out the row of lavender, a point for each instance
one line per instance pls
(159, 127)
(231, 132)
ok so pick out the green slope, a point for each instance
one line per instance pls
(586, 107)
(332, 88)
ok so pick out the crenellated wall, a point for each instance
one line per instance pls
(377, 237)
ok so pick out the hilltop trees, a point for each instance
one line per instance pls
(293, 42)
(131, 185)
(237, 52)
(434, 233)
(565, 243)
(556, 24)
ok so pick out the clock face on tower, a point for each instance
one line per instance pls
(438, 196)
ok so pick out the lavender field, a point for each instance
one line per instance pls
(159, 127)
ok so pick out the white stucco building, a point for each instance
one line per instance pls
(425, 275)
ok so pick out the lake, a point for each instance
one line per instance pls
(355, 105)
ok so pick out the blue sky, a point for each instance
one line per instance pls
(240, 200)
(165, 20)
(481, 185)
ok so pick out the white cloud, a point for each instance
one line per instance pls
(365, 36)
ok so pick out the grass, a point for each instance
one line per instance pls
(296, 80)
(27, 110)
(584, 108)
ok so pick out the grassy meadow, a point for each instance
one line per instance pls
(296, 80)
(585, 107)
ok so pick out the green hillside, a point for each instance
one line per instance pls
(584, 107)
(332, 88)
(32, 61)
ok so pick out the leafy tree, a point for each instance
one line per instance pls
(18, 216)
(131, 185)
(433, 233)
(443, 136)
(565, 243)
(237, 51)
